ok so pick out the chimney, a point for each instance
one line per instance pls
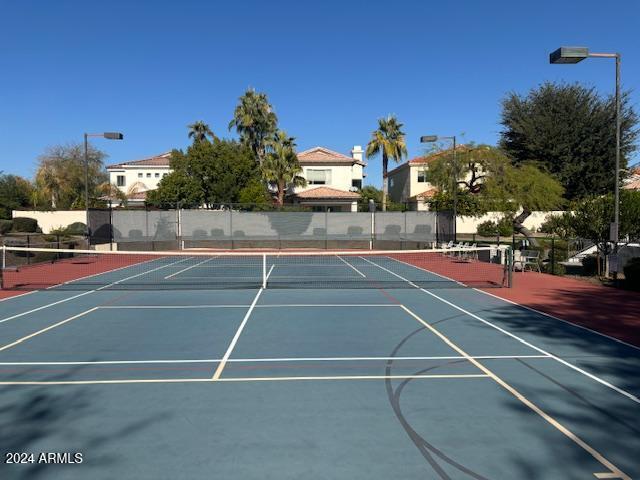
(356, 152)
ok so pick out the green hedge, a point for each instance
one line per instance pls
(76, 228)
(25, 225)
(590, 265)
(5, 226)
(632, 273)
(504, 228)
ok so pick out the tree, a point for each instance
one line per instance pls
(388, 140)
(281, 167)
(255, 194)
(200, 131)
(472, 165)
(112, 191)
(592, 216)
(255, 122)
(468, 204)
(521, 188)
(208, 173)
(369, 192)
(487, 180)
(570, 130)
(60, 175)
(15, 192)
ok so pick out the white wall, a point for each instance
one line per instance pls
(341, 176)
(47, 221)
(470, 224)
(131, 176)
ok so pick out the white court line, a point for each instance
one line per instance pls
(97, 274)
(524, 400)
(348, 264)
(17, 296)
(519, 339)
(189, 268)
(245, 379)
(223, 361)
(83, 293)
(635, 347)
(561, 320)
(50, 327)
(259, 276)
(271, 360)
(161, 307)
(287, 305)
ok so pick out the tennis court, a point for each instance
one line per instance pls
(371, 365)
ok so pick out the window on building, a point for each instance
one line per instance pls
(164, 175)
(319, 177)
(422, 176)
(121, 181)
(157, 175)
(140, 175)
(356, 183)
(148, 175)
(390, 182)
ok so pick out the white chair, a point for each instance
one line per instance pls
(528, 258)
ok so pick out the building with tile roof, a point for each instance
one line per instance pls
(333, 179)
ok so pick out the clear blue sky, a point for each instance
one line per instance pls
(330, 68)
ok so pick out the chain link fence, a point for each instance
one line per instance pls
(147, 229)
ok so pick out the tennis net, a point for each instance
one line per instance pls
(40, 268)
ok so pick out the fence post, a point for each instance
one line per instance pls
(110, 227)
(264, 271)
(231, 226)
(28, 252)
(373, 229)
(326, 228)
(553, 255)
(179, 226)
(510, 268)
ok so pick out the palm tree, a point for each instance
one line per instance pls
(48, 184)
(280, 166)
(112, 192)
(387, 139)
(255, 122)
(199, 131)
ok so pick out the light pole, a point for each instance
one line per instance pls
(109, 136)
(435, 138)
(567, 55)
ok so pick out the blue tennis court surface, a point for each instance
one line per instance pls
(252, 383)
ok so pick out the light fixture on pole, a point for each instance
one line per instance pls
(568, 55)
(435, 138)
(108, 136)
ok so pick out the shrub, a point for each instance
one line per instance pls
(632, 273)
(76, 228)
(487, 229)
(504, 227)
(5, 226)
(590, 265)
(560, 225)
(25, 225)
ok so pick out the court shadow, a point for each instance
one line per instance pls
(50, 418)
(605, 419)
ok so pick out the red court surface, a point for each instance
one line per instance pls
(607, 310)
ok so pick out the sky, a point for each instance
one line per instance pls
(329, 68)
